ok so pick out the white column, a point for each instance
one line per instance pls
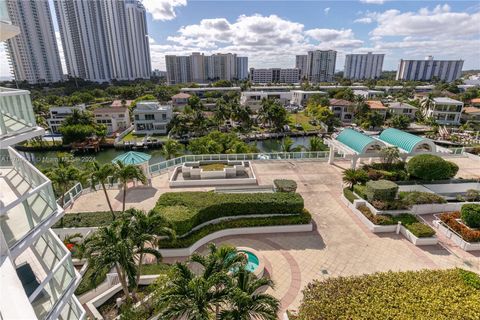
(331, 155)
(354, 162)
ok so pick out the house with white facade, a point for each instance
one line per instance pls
(402, 108)
(342, 109)
(59, 114)
(149, 117)
(253, 99)
(368, 94)
(180, 100)
(116, 119)
(445, 111)
(300, 97)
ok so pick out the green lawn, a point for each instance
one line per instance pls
(302, 119)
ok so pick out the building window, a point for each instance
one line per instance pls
(164, 116)
(149, 117)
(137, 117)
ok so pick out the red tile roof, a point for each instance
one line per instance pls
(375, 104)
(118, 103)
(340, 102)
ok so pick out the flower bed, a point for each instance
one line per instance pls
(451, 219)
(426, 294)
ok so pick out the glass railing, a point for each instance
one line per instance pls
(72, 311)
(16, 111)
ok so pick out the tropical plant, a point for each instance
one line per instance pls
(63, 176)
(126, 173)
(245, 302)
(273, 114)
(101, 174)
(111, 247)
(219, 259)
(399, 121)
(171, 149)
(287, 145)
(352, 177)
(316, 144)
(430, 167)
(390, 155)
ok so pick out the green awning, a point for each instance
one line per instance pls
(402, 139)
(355, 140)
(132, 157)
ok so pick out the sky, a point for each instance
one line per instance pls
(272, 32)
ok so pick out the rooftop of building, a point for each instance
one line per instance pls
(401, 105)
(212, 89)
(110, 110)
(446, 100)
(475, 100)
(118, 103)
(471, 110)
(376, 104)
(152, 106)
(181, 95)
(340, 102)
(310, 91)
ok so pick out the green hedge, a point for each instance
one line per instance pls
(431, 167)
(185, 210)
(86, 219)
(426, 294)
(382, 190)
(285, 185)
(470, 214)
(349, 195)
(302, 218)
(86, 283)
(411, 198)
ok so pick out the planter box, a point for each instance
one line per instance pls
(427, 241)
(467, 246)
(422, 208)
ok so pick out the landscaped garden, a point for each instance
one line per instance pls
(437, 294)
(466, 223)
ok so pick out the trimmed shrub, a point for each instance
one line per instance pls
(453, 168)
(186, 210)
(349, 195)
(411, 198)
(420, 230)
(425, 294)
(87, 219)
(430, 167)
(285, 185)
(360, 190)
(471, 215)
(378, 219)
(450, 219)
(382, 190)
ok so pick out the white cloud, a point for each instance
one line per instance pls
(163, 9)
(365, 20)
(373, 1)
(326, 11)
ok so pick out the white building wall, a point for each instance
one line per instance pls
(241, 68)
(33, 53)
(363, 66)
(301, 63)
(321, 65)
(426, 70)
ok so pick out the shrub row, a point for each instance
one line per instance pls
(185, 210)
(411, 198)
(303, 218)
(86, 219)
(285, 185)
(471, 215)
(349, 195)
(408, 220)
(425, 294)
(468, 234)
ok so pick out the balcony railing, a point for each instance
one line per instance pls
(47, 274)
(27, 197)
(16, 112)
(72, 311)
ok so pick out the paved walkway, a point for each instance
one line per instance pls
(340, 245)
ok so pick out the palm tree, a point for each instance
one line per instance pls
(426, 102)
(111, 247)
(172, 149)
(126, 173)
(245, 302)
(101, 174)
(316, 144)
(390, 155)
(63, 176)
(287, 145)
(220, 259)
(222, 112)
(352, 177)
(145, 230)
(188, 296)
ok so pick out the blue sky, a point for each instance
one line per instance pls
(271, 32)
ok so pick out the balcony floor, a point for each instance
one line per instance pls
(13, 185)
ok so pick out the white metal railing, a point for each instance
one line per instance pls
(15, 108)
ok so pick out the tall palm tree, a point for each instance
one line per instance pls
(246, 302)
(352, 177)
(101, 174)
(63, 176)
(390, 155)
(287, 145)
(316, 144)
(222, 112)
(111, 247)
(172, 149)
(126, 173)
(191, 297)
(145, 230)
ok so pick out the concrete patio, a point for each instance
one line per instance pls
(340, 245)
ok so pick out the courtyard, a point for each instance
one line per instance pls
(340, 244)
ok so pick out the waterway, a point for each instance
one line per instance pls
(107, 155)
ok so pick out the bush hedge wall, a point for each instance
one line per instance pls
(349, 195)
(431, 167)
(382, 190)
(426, 294)
(471, 215)
(185, 210)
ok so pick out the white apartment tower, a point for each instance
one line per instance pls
(200, 68)
(321, 65)
(104, 40)
(275, 75)
(428, 69)
(301, 63)
(363, 66)
(37, 275)
(33, 53)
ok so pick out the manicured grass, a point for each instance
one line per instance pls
(214, 166)
(86, 219)
(426, 294)
(302, 119)
(155, 268)
(349, 195)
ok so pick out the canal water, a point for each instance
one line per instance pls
(107, 155)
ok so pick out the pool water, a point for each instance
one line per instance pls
(252, 263)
